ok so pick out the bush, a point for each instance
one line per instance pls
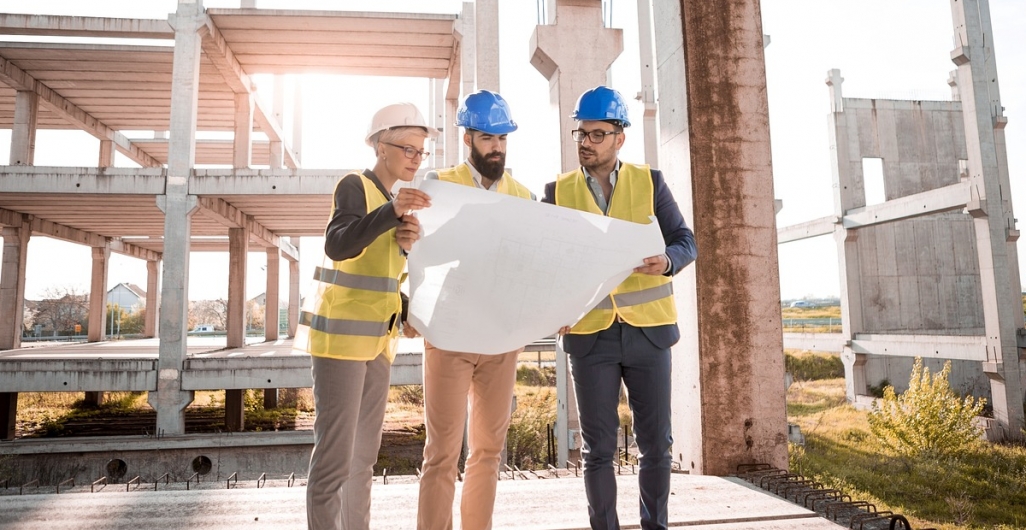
(527, 438)
(812, 367)
(929, 419)
(530, 375)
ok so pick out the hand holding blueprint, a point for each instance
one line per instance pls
(492, 273)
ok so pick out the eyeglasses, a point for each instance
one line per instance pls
(596, 136)
(410, 152)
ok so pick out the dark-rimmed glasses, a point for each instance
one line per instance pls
(596, 136)
(410, 152)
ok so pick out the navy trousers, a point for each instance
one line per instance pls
(624, 353)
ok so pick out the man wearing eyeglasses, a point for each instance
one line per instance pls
(450, 377)
(626, 337)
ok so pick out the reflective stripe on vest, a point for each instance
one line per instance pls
(355, 312)
(641, 300)
(461, 175)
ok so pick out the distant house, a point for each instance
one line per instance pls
(129, 296)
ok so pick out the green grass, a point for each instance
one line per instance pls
(983, 489)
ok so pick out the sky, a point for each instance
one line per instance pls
(884, 49)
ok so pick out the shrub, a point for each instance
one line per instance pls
(929, 419)
(530, 375)
(812, 367)
(527, 438)
(407, 394)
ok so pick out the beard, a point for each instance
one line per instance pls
(489, 168)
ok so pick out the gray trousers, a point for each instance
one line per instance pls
(350, 398)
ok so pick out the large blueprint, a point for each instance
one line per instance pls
(492, 273)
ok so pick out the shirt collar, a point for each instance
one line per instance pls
(477, 176)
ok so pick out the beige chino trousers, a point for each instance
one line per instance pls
(450, 380)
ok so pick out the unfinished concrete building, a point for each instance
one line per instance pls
(932, 271)
(203, 82)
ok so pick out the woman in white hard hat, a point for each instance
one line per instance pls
(351, 327)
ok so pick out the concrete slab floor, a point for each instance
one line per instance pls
(552, 504)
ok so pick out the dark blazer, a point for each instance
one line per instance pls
(680, 247)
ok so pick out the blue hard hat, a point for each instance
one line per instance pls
(601, 104)
(487, 112)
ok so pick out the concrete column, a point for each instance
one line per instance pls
(270, 398)
(570, 66)
(271, 307)
(277, 157)
(297, 119)
(152, 323)
(170, 399)
(436, 107)
(98, 293)
(234, 410)
(8, 415)
(106, 153)
(849, 193)
(486, 37)
(993, 218)
(294, 291)
(94, 399)
(238, 248)
(648, 93)
(468, 59)
(242, 153)
(23, 133)
(452, 142)
(12, 285)
(729, 400)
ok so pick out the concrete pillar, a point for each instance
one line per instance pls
(993, 218)
(234, 410)
(12, 285)
(94, 399)
(729, 401)
(23, 133)
(8, 415)
(570, 66)
(486, 37)
(849, 193)
(170, 399)
(152, 323)
(297, 120)
(270, 398)
(648, 93)
(271, 294)
(106, 153)
(436, 107)
(468, 59)
(452, 142)
(238, 248)
(242, 153)
(98, 293)
(294, 291)
(277, 156)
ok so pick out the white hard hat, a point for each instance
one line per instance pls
(398, 115)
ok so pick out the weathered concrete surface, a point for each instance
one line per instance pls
(12, 283)
(695, 501)
(741, 415)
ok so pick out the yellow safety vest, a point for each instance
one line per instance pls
(461, 175)
(642, 300)
(355, 312)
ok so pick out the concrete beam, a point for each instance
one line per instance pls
(223, 212)
(814, 228)
(959, 347)
(823, 342)
(18, 79)
(953, 197)
(74, 235)
(82, 180)
(78, 375)
(76, 26)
